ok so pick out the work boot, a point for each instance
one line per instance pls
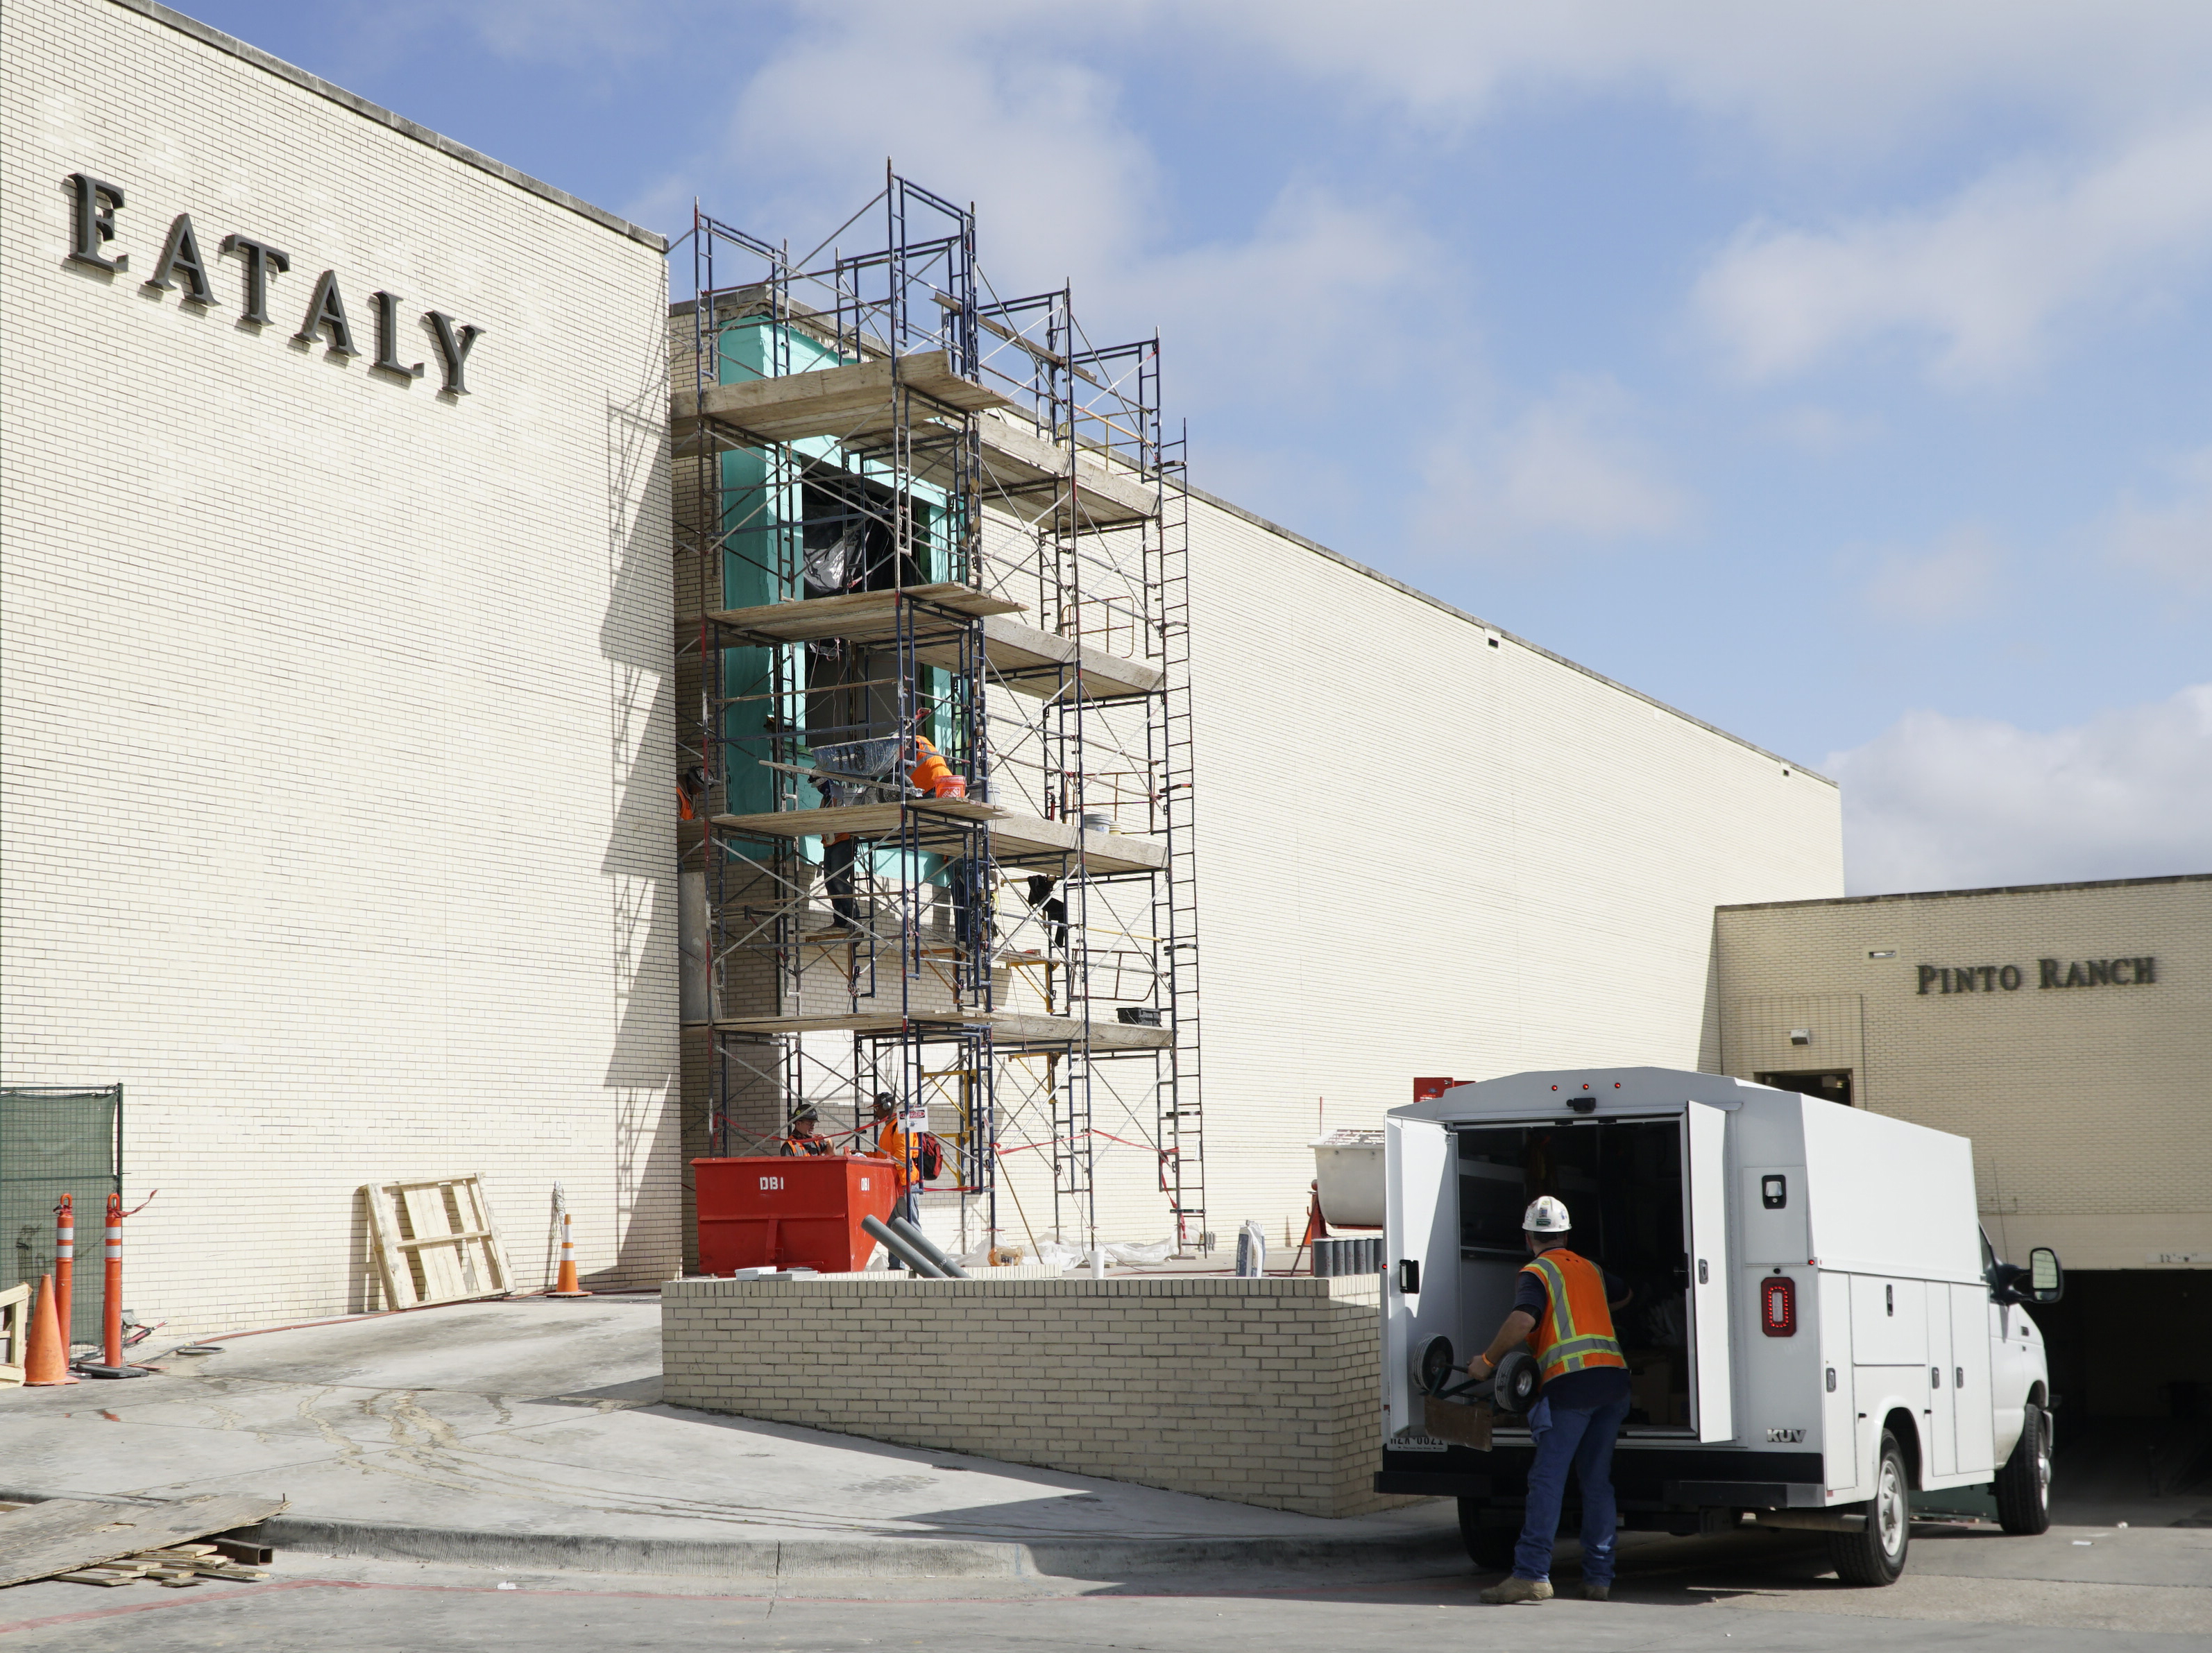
(1515, 1591)
(1597, 1592)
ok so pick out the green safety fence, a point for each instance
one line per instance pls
(54, 1141)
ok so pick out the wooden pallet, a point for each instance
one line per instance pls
(435, 1242)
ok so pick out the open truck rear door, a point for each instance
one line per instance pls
(1704, 1138)
(1421, 1240)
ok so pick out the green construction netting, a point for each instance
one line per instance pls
(52, 1142)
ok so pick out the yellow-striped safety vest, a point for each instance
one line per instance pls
(1577, 1331)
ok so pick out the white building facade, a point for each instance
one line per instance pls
(333, 599)
(1426, 847)
(337, 764)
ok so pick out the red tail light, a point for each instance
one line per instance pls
(1777, 1306)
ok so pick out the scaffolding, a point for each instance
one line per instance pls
(923, 530)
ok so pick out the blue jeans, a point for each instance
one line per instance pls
(1584, 1439)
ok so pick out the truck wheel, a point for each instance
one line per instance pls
(1876, 1555)
(2024, 1483)
(1489, 1546)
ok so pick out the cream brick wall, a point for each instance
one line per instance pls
(1418, 853)
(2086, 1106)
(1262, 1391)
(335, 745)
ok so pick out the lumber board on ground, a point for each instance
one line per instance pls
(69, 1535)
(855, 399)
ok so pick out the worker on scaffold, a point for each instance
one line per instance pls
(838, 849)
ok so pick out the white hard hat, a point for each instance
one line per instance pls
(1547, 1216)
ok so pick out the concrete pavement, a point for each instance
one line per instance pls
(528, 1432)
(1979, 1595)
(527, 1435)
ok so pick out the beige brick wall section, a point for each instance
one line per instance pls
(2086, 1106)
(1260, 1391)
(335, 742)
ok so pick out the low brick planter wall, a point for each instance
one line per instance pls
(1264, 1391)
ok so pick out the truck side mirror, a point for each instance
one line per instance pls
(2046, 1281)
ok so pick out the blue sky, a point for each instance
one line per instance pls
(1839, 374)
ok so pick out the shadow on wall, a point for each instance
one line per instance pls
(1709, 1027)
(640, 864)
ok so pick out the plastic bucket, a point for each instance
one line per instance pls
(951, 786)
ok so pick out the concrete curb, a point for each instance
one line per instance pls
(831, 1558)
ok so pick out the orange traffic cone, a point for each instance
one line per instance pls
(564, 1283)
(46, 1360)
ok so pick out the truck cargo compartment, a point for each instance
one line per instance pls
(1621, 1180)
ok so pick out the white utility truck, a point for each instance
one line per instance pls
(1819, 1328)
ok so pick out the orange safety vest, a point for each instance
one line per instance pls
(1577, 1331)
(929, 767)
(795, 1145)
(895, 1145)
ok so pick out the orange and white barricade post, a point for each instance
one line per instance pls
(65, 1267)
(564, 1283)
(111, 1307)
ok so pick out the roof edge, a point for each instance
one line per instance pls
(209, 35)
(1415, 593)
(1949, 895)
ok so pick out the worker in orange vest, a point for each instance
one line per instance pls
(806, 1136)
(902, 1148)
(838, 848)
(1563, 1308)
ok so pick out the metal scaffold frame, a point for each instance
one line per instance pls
(922, 518)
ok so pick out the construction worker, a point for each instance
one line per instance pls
(838, 849)
(1563, 1308)
(1051, 909)
(806, 1136)
(903, 1149)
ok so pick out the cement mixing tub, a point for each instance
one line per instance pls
(1348, 1163)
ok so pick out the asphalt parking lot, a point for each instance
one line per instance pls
(2134, 1588)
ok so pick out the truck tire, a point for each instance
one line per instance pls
(1876, 1555)
(2024, 1483)
(1489, 1546)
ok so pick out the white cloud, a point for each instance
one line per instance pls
(1067, 188)
(2172, 539)
(1825, 432)
(1941, 803)
(1949, 580)
(1570, 466)
(1983, 278)
(1819, 78)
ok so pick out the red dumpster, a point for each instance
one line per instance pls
(802, 1212)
